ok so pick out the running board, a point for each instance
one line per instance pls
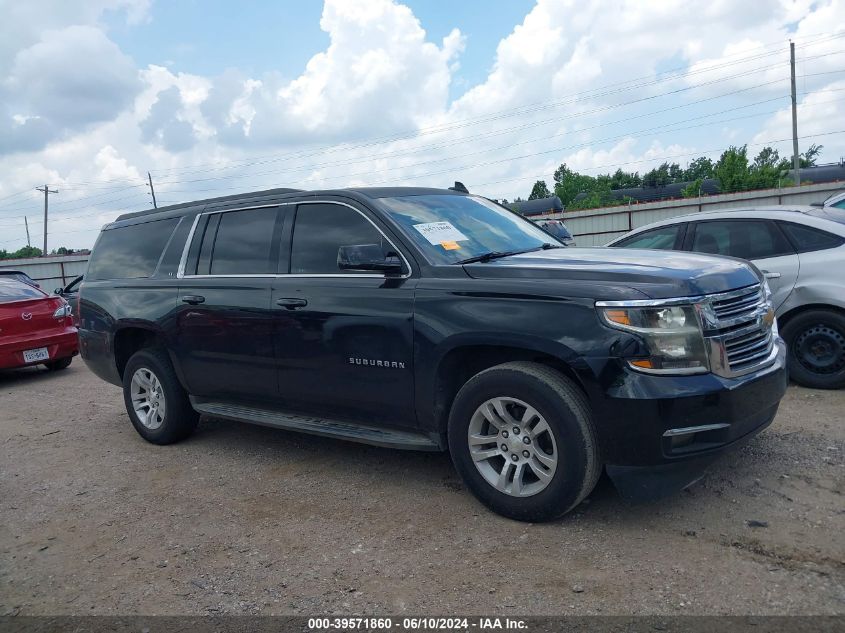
(376, 436)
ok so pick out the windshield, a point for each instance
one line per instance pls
(449, 228)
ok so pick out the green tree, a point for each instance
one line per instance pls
(676, 174)
(569, 184)
(808, 158)
(658, 177)
(623, 180)
(539, 190)
(701, 167)
(692, 190)
(768, 157)
(732, 169)
(766, 170)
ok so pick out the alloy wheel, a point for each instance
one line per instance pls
(148, 398)
(512, 446)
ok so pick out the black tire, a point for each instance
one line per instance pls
(180, 419)
(57, 365)
(815, 343)
(566, 410)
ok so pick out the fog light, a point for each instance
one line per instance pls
(679, 441)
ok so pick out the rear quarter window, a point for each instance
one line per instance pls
(808, 238)
(130, 252)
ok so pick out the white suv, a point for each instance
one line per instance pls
(800, 250)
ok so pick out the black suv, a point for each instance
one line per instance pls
(432, 319)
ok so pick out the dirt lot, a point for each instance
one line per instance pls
(243, 519)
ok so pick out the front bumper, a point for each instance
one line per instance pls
(659, 433)
(62, 344)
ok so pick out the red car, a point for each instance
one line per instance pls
(35, 328)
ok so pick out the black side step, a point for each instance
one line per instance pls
(376, 436)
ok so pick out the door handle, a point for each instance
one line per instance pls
(193, 299)
(769, 275)
(291, 303)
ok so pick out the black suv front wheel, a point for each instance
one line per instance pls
(155, 400)
(522, 439)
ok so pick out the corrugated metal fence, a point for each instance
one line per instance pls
(596, 227)
(51, 272)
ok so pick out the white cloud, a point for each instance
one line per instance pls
(819, 113)
(378, 75)
(565, 72)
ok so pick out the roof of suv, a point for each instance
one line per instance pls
(253, 196)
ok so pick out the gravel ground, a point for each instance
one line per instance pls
(249, 520)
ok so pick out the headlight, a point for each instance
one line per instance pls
(62, 312)
(672, 335)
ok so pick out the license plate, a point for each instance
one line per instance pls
(33, 355)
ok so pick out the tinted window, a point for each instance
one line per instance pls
(320, 229)
(13, 290)
(746, 239)
(130, 252)
(662, 238)
(244, 242)
(807, 238)
(840, 204)
(558, 229)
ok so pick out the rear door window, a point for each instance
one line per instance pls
(130, 252)
(746, 239)
(241, 242)
(661, 238)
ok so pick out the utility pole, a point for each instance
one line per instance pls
(47, 191)
(26, 223)
(796, 160)
(152, 191)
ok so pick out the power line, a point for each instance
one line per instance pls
(651, 159)
(587, 94)
(423, 148)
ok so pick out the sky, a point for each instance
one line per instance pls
(213, 97)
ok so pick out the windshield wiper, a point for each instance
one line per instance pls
(490, 255)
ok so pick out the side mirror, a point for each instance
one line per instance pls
(59, 291)
(367, 257)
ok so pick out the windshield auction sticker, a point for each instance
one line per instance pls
(440, 232)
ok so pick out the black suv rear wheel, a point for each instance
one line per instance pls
(155, 400)
(815, 343)
(522, 439)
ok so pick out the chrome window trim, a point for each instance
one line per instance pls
(180, 274)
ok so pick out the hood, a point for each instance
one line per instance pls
(657, 274)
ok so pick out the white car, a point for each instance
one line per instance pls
(800, 251)
(836, 201)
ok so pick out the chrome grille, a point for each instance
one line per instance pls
(740, 306)
(746, 349)
(740, 336)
